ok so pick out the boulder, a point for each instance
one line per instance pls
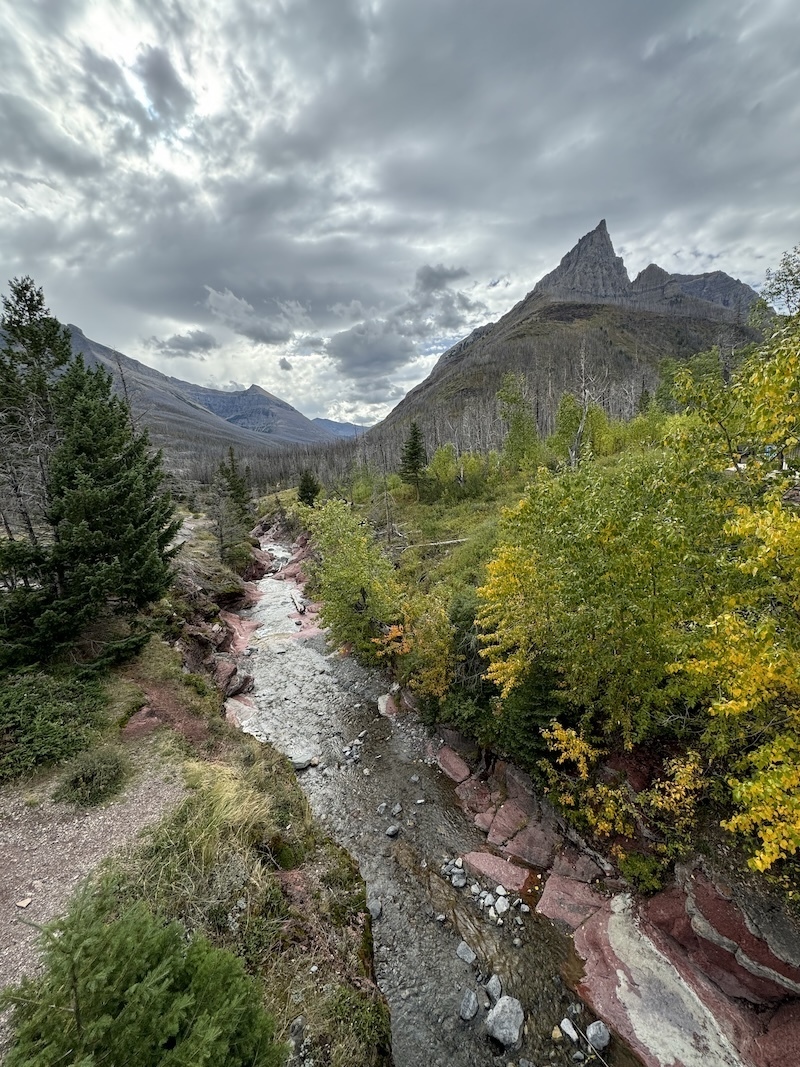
(224, 671)
(494, 869)
(494, 987)
(518, 783)
(465, 953)
(387, 706)
(598, 1035)
(536, 844)
(567, 901)
(452, 764)
(568, 1028)
(484, 819)
(510, 818)
(474, 795)
(504, 1021)
(573, 864)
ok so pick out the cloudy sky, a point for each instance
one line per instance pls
(320, 196)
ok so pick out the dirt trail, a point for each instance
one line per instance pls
(48, 848)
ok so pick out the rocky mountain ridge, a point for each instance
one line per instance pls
(188, 420)
(591, 272)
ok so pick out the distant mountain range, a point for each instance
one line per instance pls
(184, 418)
(583, 324)
(586, 323)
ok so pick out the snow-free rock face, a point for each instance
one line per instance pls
(591, 271)
(738, 946)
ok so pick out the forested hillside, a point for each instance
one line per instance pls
(617, 594)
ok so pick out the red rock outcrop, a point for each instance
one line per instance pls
(452, 764)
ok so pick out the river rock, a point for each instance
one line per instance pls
(452, 764)
(469, 1005)
(568, 1029)
(458, 879)
(577, 865)
(501, 905)
(504, 1021)
(510, 818)
(303, 758)
(567, 901)
(474, 795)
(393, 830)
(484, 819)
(535, 844)
(518, 783)
(465, 953)
(495, 869)
(494, 987)
(598, 1035)
(387, 706)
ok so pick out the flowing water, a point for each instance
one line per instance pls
(316, 705)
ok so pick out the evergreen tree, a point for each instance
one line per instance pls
(130, 989)
(414, 458)
(308, 488)
(232, 513)
(87, 522)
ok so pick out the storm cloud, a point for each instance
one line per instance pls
(349, 186)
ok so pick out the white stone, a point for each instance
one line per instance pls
(568, 1029)
(504, 1021)
(598, 1035)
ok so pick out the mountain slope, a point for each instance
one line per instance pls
(190, 421)
(585, 324)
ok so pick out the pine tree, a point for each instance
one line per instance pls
(87, 522)
(414, 459)
(129, 989)
(308, 488)
(232, 513)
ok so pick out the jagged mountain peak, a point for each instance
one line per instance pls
(591, 270)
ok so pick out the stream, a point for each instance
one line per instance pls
(367, 773)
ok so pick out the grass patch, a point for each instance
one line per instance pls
(93, 776)
(217, 865)
(160, 663)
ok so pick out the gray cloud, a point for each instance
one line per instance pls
(374, 345)
(360, 183)
(194, 344)
(435, 279)
(241, 317)
(284, 363)
(35, 144)
(169, 97)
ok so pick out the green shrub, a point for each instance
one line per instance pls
(46, 718)
(93, 776)
(645, 873)
(130, 989)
